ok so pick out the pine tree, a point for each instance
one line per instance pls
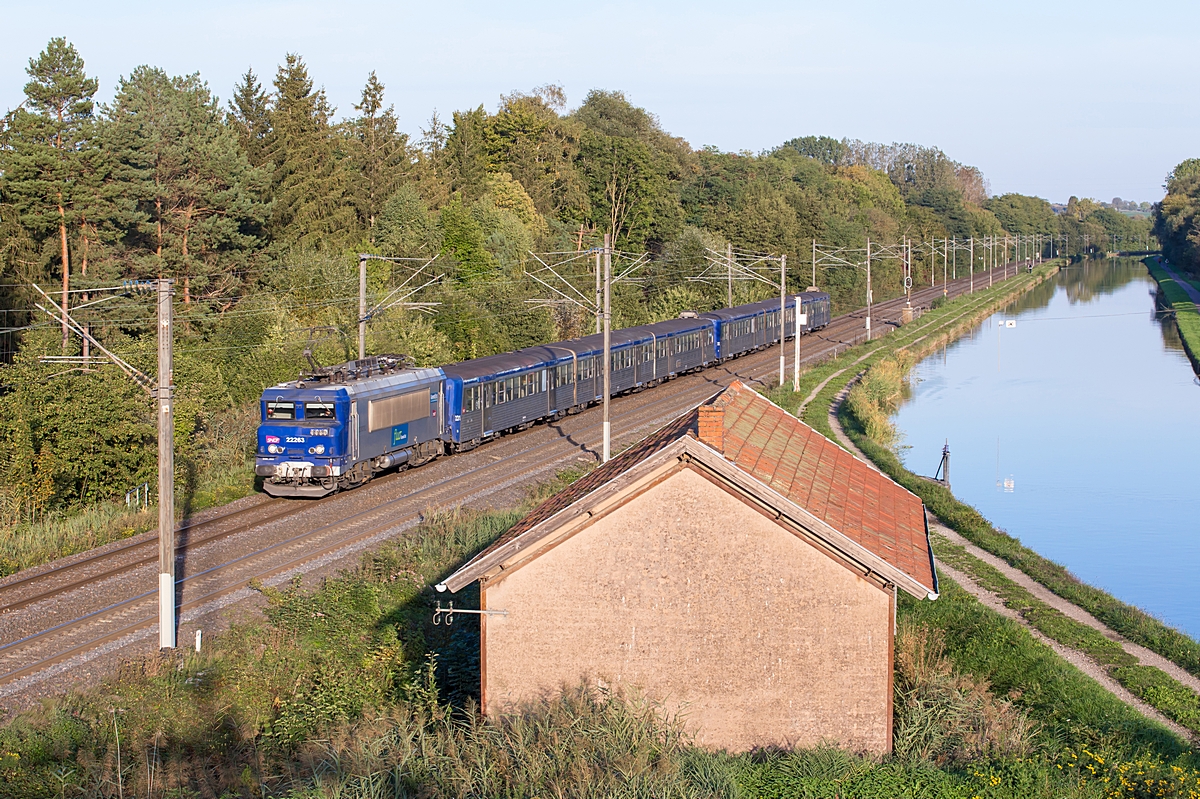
(379, 157)
(47, 139)
(308, 183)
(197, 195)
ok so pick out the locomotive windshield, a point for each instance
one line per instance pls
(318, 410)
(281, 410)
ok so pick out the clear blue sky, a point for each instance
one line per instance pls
(1049, 98)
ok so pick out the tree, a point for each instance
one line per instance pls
(249, 115)
(465, 154)
(405, 226)
(378, 154)
(463, 239)
(196, 193)
(530, 141)
(820, 148)
(309, 184)
(1022, 215)
(1188, 168)
(48, 137)
(634, 170)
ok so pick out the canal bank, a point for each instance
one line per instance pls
(1170, 695)
(1183, 298)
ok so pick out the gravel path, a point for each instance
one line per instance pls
(1073, 656)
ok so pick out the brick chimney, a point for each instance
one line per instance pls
(710, 426)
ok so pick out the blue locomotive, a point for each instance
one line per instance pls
(339, 426)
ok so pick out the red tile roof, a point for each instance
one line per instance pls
(790, 457)
(826, 480)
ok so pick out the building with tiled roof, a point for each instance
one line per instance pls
(735, 566)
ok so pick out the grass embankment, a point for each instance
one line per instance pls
(865, 417)
(1187, 317)
(332, 694)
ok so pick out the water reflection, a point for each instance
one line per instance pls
(1074, 431)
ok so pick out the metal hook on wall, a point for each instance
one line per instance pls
(450, 611)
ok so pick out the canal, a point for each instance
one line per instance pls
(1071, 417)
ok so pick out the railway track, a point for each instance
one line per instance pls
(57, 616)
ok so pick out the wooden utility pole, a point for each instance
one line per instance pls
(166, 470)
(607, 448)
(66, 266)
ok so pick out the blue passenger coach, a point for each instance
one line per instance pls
(755, 326)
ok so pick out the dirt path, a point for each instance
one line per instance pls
(1073, 656)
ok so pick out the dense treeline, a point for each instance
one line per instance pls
(258, 206)
(1177, 217)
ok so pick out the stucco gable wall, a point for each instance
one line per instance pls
(703, 603)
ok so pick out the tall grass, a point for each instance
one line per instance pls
(945, 717)
(877, 395)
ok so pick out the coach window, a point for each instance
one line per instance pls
(281, 410)
(318, 410)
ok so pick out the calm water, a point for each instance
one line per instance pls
(1076, 431)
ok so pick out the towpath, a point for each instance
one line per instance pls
(1186, 285)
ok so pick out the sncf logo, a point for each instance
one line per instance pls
(272, 439)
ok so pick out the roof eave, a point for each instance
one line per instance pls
(486, 563)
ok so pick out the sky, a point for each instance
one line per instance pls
(1094, 99)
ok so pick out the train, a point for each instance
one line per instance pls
(337, 427)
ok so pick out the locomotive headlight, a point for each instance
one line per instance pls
(320, 448)
(271, 448)
(312, 450)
